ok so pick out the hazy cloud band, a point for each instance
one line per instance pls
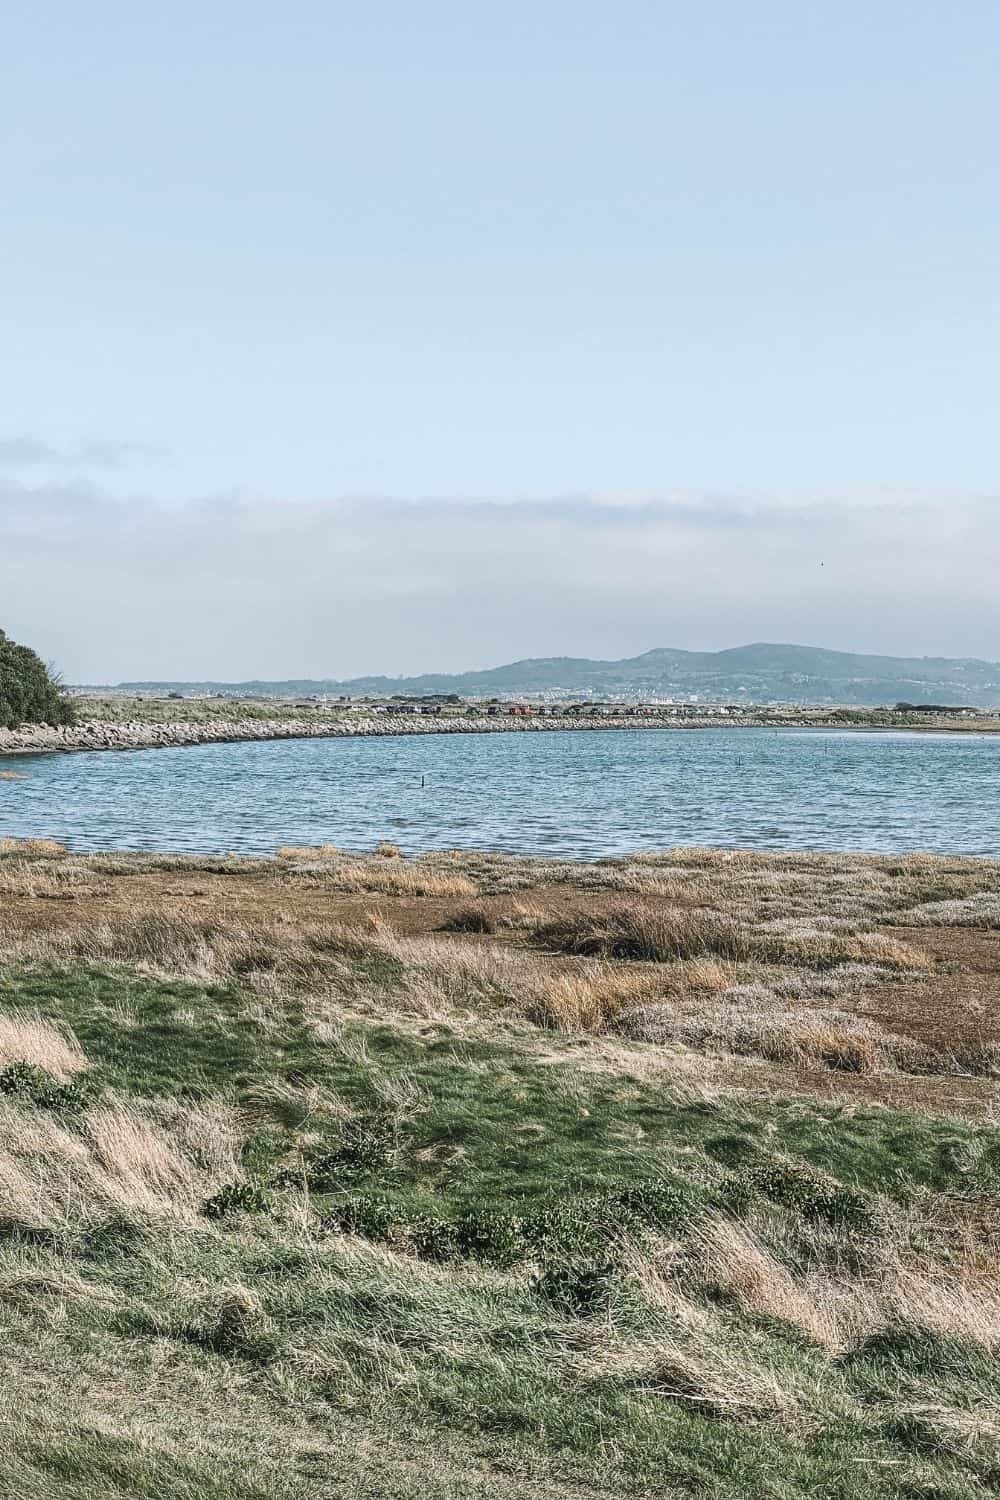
(238, 586)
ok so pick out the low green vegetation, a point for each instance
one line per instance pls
(28, 694)
(121, 708)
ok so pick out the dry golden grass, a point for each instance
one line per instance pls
(35, 848)
(950, 1303)
(592, 998)
(634, 930)
(389, 877)
(730, 1256)
(826, 950)
(720, 1381)
(25, 1037)
(308, 851)
(181, 946)
(800, 1278)
(293, 1105)
(405, 880)
(48, 877)
(147, 1162)
(587, 1001)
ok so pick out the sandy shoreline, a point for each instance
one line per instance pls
(97, 735)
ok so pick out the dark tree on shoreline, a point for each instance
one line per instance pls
(28, 693)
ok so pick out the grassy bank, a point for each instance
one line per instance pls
(478, 1176)
(121, 709)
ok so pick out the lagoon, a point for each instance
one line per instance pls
(574, 795)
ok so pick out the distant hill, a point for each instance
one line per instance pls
(759, 673)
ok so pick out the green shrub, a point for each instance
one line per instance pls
(237, 1198)
(28, 695)
(368, 1145)
(797, 1187)
(25, 1081)
(654, 1203)
(432, 1238)
(489, 1235)
(580, 1290)
(367, 1215)
(574, 1228)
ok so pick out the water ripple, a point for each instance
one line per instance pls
(580, 794)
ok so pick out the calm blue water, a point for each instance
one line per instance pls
(575, 794)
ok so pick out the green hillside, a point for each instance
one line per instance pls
(759, 673)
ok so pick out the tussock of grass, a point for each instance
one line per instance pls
(193, 947)
(587, 1001)
(293, 1105)
(33, 848)
(391, 877)
(595, 998)
(830, 950)
(308, 852)
(637, 931)
(470, 919)
(982, 909)
(729, 1256)
(720, 1383)
(752, 1020)
(48, 878)
(26, 1038)
(119, 1158)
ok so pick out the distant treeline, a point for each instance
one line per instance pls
(935, 708)
(28, 694)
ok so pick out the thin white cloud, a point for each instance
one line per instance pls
(26, 453)
(239, 587)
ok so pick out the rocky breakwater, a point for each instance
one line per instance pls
(97, 735)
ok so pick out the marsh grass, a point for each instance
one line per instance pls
(441, 1319)
(359, 1207)
(32, 848)
(665, 934)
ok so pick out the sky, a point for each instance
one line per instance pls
(338, 339)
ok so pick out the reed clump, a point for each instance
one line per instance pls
(635, 930)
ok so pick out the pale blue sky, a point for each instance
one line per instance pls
(741, 253)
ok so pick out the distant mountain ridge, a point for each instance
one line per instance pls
(760, 672)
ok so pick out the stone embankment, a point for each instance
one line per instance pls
(94, 735)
